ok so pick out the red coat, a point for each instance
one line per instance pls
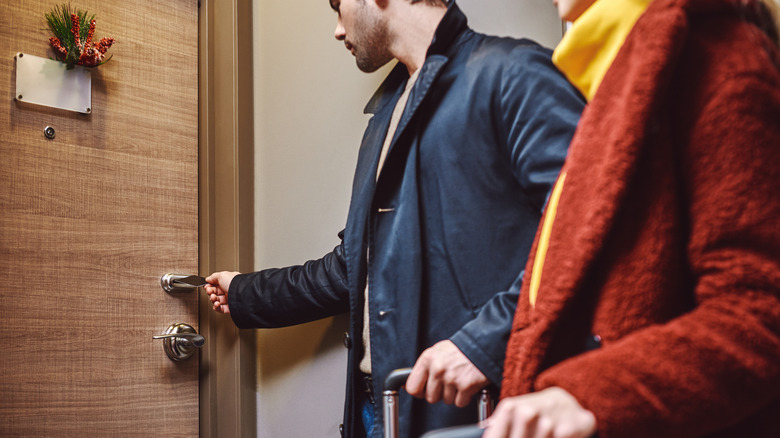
(666, 242)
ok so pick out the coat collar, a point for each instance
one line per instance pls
(452, 25)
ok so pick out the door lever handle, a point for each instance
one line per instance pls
(180, 341)
(189, 339)
(181, 283)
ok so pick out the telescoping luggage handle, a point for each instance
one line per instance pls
(396, 379)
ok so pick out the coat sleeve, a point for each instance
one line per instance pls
(540, 111)
(719, 363)
(292, 295)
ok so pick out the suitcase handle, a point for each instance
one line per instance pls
(393, 383)
(396, 379)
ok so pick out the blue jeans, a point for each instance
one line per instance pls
(368, 416)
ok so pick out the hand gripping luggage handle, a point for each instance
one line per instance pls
(395, 380)
(471, 431)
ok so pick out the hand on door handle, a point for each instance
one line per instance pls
(217, 289)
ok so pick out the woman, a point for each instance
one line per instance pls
(653, 305)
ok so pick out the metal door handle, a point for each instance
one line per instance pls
(181, 283)
(189, 339)
(180, 341)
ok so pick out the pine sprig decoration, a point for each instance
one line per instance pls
(72, 40)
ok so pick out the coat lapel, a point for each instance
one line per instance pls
(397, 151)
(451, 27)
(381, 105)
(364, 183)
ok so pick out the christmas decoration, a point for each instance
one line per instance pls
(72, 41)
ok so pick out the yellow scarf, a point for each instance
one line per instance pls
(584, 55)
(587, 50)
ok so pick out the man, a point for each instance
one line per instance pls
(468, 135)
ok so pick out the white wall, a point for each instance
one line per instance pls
(309, 121)
(534, 19)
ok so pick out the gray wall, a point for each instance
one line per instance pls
(309, 98)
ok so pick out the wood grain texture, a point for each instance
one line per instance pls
(90, 220)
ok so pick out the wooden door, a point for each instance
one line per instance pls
(90, 220)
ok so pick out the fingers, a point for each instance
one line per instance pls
(415, 383)
(434, 387)
(217, 289)
(221, 306)
(221, 280)
(218, 299)
(449, 394)
(459, 385)
(550, 413)
(444, 373)
(214, 291)
(421, 382)
(510, 420)
(463, 398)
(425, 379)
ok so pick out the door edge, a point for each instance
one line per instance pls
(226, 182)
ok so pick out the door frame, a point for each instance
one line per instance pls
(226, 211)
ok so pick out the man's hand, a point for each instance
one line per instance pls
(443, 372)
(550, 413)
(219, 283)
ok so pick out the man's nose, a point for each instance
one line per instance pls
(340, 33)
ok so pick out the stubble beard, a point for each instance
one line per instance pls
(371, 44)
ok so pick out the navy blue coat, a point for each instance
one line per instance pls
(449, 222)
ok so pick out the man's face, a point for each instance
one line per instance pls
(363, 29)
(570, 10)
